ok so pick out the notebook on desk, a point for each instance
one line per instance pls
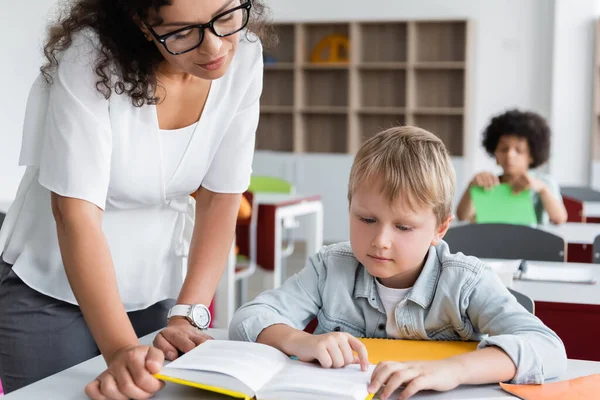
(248, 370)
(567, 274)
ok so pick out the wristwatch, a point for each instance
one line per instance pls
(197, 314)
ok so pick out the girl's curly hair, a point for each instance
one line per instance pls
(123, 45)
(524, 124)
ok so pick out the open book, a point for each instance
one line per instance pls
(246, 370)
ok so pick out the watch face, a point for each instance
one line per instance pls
(201, 316)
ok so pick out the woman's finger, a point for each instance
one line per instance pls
(165, 346)
(109, 387)
(92, 390)
(142, 375)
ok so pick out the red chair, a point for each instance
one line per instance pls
(574, 209)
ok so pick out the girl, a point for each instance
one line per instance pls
(519, 141)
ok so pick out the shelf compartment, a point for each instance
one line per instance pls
(326, 88)
(315, 33)
(449, 128)
(275, 132)
(443, 88)
(283, 52)
(371, 124)
(383, 42)
(278, 88)
(441, 40)
(326, 133)
(382, 88)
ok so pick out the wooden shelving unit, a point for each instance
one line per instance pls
(397, 72)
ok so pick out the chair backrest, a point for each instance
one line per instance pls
(596, 250)
(269, 184)
(505, 241)
(580, 193)
(574, 209)
(524, 300)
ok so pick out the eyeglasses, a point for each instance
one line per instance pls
(190, 37)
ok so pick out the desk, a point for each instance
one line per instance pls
(579, 238)
(574, 232)
(572, 310)
(272, 210)
(588, 197)
(70, 384)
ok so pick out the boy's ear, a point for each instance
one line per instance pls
(441, 230)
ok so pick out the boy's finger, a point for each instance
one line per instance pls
(324, 359)
(415, 386)
(360, 349)
(398, 379)
(381, 374)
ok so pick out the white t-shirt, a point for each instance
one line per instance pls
(390, 299)
(173, 143)
(80, 145)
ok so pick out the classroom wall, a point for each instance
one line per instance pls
(572, 89)
(22, 27)
(513, 54)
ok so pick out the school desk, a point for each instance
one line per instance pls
(578, 236)
(69, 384)
(572, 310)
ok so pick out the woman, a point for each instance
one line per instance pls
(141, 103)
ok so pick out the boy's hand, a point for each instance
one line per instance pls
(416, 376)
(487, 180)
(332, 350)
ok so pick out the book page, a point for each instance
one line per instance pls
(299, 379)
(253, 364)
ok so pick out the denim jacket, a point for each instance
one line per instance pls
(456, 297)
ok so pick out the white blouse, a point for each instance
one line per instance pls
(173, 143)
(108, 152)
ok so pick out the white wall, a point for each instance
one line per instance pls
(512, 67)
(22, 27)
(572, 90)
(512, 53)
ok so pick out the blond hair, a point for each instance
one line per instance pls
(412, 164)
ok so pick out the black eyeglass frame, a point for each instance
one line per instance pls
(162, 39)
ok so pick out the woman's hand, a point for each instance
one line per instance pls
(179, 335)
(129, 375)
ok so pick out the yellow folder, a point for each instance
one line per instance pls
(413, 350)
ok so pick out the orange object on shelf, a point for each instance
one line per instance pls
(333, 48)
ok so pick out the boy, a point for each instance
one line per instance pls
(397, 279)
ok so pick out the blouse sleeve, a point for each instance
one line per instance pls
(231, 166)
(76, 142)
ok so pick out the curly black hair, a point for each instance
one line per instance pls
(123, 44)
(524, 124)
